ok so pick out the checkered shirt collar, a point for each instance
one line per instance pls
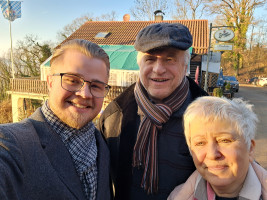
(60, 127)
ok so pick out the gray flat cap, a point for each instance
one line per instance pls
(161, 35)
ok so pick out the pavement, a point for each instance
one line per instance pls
(248, 85)
(260, 152)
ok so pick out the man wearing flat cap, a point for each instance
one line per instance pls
(143, 126)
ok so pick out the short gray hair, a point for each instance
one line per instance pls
(85, 47)
(210, 109)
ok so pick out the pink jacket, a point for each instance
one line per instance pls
(257, 174)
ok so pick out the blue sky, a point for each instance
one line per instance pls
(45, 18)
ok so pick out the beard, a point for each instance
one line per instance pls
(74, 120)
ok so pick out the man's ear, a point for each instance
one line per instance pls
(252, 150)
(49, 80)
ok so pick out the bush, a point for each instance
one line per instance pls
(217, 92)
(228, 86)
(6, 111)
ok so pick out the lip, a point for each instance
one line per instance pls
(217, 167)
(79, 106)
(159, 80)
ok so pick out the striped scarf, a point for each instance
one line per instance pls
(155, 115)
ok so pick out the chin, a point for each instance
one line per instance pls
(77, 125)
(75, 121)
(219, 181)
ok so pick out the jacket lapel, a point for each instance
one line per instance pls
(103, 168)
(57, 154)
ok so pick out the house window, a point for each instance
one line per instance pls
(102, 35)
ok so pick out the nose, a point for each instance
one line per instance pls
(85, 91)
(213, 151)
(159, 67)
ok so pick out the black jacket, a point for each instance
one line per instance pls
(119, 123)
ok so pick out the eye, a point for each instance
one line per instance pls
(150, 59)
(224, 140)
(200, 143)
(97, 86)
(169, 59)
(71, 80)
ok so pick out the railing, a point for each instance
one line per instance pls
(28, 85)
(40, 87)
(114, 92)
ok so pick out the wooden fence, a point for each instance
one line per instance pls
(28, 85)
(40, 87)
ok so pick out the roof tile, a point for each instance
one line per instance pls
(124, 33)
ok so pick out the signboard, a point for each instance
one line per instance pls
(224, 35)
(214, 62)
(223, 47)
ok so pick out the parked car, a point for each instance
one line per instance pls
(231, 79)
(263, 81)
(253, 80)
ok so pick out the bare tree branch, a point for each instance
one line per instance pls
(144, 9)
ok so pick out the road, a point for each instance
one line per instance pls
(258, 97)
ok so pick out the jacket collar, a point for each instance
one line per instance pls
(57, 153)
(62, 162)
(251, 188)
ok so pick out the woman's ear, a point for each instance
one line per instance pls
(252, 151)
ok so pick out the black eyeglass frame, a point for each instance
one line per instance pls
(107, 87)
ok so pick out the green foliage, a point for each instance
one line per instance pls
(228, 86)
(217, 92)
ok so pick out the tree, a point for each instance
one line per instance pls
(78, 22)
(259, 34)
(189, 9)
(144, 9)
(108, 17)
(73, 26)
(239, 14)
(29, 55)
(5, 75)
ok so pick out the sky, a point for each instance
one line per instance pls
(44, 18)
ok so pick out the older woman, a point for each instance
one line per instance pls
(220, 135)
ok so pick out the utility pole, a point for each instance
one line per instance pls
(208, 58)
(11, 52)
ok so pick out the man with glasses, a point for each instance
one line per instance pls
(57, 153)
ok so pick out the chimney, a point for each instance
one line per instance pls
(159, 15)
(126, 17)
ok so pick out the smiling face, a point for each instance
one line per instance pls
(220, 155)
(76, 109)
(162, 71)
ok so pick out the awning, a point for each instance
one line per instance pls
(120, 56)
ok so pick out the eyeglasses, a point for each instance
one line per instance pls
(74, 83)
